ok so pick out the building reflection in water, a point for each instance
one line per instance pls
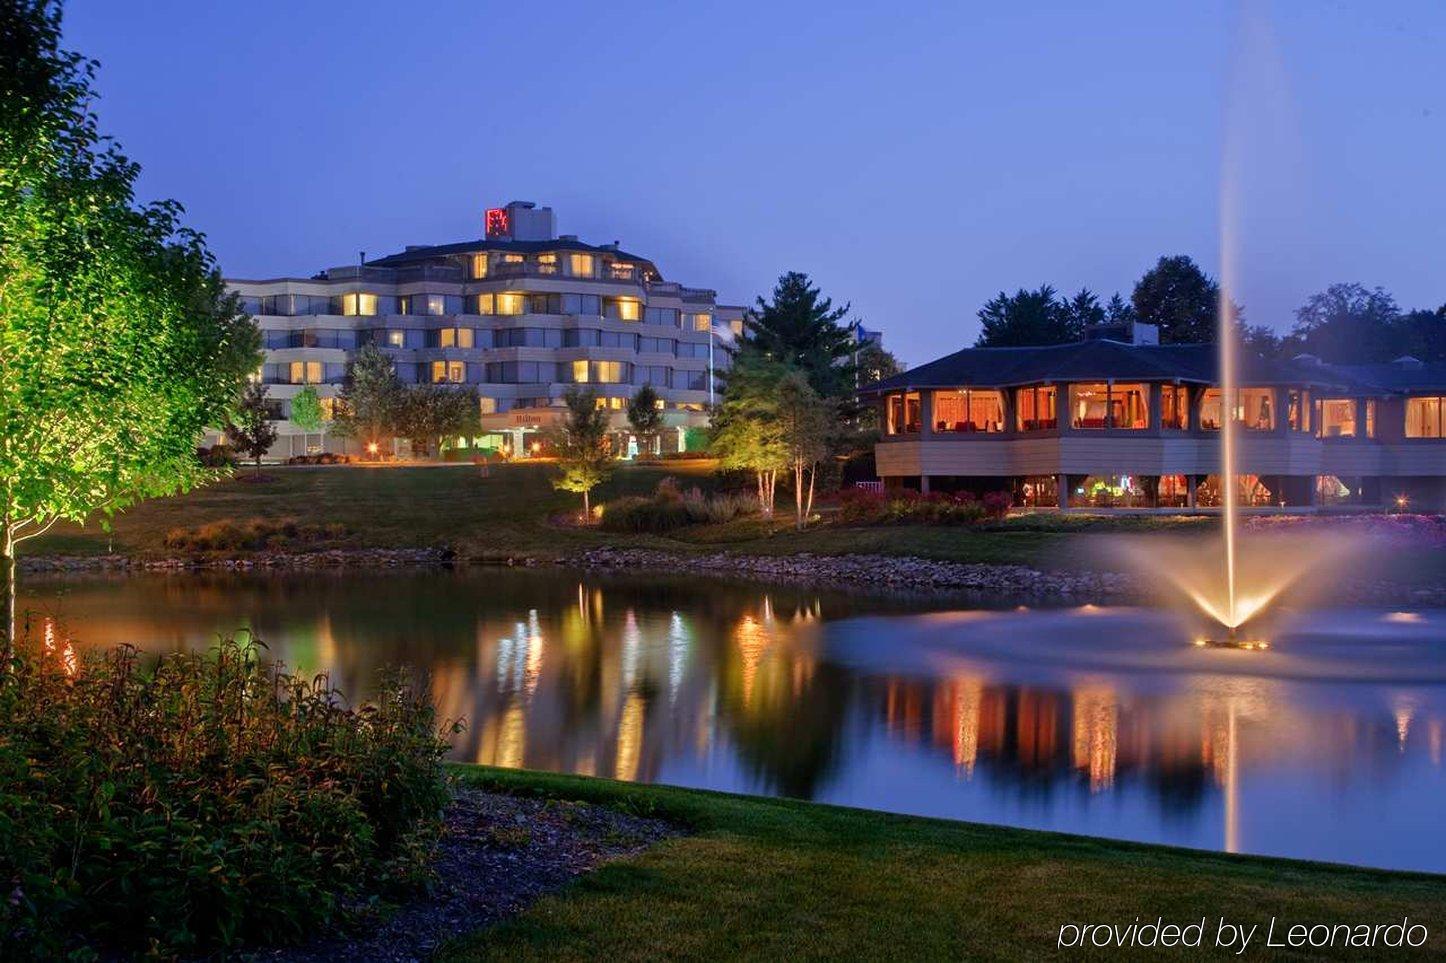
(732, 687)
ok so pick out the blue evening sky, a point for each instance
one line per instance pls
(914, 158)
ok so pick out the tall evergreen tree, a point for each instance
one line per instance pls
(119, 344)
(369, 408)
(800, 328)
(1181, 299)
(1026, 318)
(1119, 311)
(645, 417)
(1348, 322)
(1082, 311)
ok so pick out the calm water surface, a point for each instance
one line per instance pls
(1098, 721)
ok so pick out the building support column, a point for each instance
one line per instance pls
(1061, 489)
(1190, 482)
(923, 484)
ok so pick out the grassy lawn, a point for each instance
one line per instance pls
(508, 515)
(775, 879)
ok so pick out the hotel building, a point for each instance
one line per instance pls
(520, 315)
(1107, 424)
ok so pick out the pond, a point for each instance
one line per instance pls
(1088, 720)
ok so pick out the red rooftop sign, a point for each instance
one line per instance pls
(497, 222)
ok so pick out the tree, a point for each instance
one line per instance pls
(800, 328)
(427, 413)
(581, 441)
(804, 425)
(1083, 311)
(746, 434)
(875, 364)
(1422, 335)
(1347, 322)
(1181, 299)
(119, 345)
(1026, 318)
(1119, 311)
(645, 417)
(307, 413)
(370, 405)
(251, 429)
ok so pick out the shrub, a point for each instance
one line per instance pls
(858, 506)
(253, 535)
(671, 508)
(211, 802)
(217, 456)
(997, 504)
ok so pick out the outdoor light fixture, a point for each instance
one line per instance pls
(372, 448)
(1402, 501)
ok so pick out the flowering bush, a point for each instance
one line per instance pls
(208, 803)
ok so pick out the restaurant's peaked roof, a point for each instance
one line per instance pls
(427, 252)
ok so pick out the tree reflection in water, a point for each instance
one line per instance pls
(732, 686)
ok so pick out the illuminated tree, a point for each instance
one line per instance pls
(251, 430)
(645, 417)
(307, 413)
(746, 433)
(800, 328)
(805, 422)
(118, 342)
(370, 405)
(427, 413)
(581, 442)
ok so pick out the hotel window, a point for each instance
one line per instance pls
(579, 372)
(580, 265)
(479, 266)
(448, 372)
(488, 405)
(508, 303)
(454, 338)
(359, 303)
(1298, 410)
(305, 372)
(609, 372)
(1423, 417)
(1174, 407)
(1130, 406)
(396, 338)
(1034, 408)
(624, 309)
(610, 402)
(1255, 409)
(1370, 417)
(435, 304)
(581, 304)
(1336, 417)
(620, 271)
(903, 414)
(547, 264)
(969, 410)
(1089, 405)
(667, 317)
(513, 258)
(404, 304)
(702, 322)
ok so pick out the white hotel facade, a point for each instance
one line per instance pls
(520, 315)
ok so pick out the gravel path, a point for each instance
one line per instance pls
(499, 854)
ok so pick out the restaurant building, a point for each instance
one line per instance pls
(1104, 423)
(521, 315)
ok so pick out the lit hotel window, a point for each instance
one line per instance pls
(479, 265)
(547, 264)
(1089, 405)
(508, 303)
(454, 338)
(702, 322)
(359, 303)
(1337, 417)
(513, 258)
(621, 271)
(580, 265)
(436, 304)
(1254, 409)
(1299, 410)
(489, 405)
(444, 372)
(624, 309)
(1423, 417)
(608, 372)
(579, 372)
(305, 372)
(903, 414)
(396, 339)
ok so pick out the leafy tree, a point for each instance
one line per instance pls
(427, 413)
(251, 429)
(1258, 339)
(1181, 299)
(804, 423)
(1026, 318)
(581, 442)
(875, 364)
(800, 328)
(746, 434)
(307, 413)
(118, 342)
(1347, 322)
(645, 417)
(1422, 335)
(370, 406)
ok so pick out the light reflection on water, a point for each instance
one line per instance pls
(1100, 721)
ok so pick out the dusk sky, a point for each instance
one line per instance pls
(913, 159)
